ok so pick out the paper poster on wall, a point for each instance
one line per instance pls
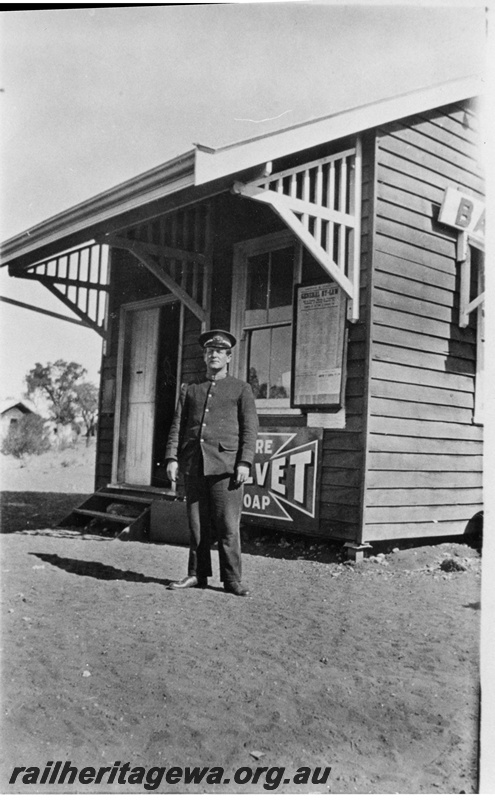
(319, 345)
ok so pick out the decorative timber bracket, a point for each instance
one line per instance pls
(467, 304)
(150, 256)
(321, 203)
(79, 278)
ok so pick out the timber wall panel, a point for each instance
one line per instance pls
(424, 428)
(401, 373)
(424, 454)
(414, 149)
(415, 392)
(192, 361)
(406, 411)
(411, 285)
(393, 225)
(378, 443)
(417, 530)
(412, 252)
(416, 339)
(418, 358)
(426, 137)
(396, 480)
(425, 495)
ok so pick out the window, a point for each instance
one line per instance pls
(266, 270)
(268, 323)
(269, 362)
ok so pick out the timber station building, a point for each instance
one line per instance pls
(346, 255)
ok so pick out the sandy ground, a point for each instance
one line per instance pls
(62, 471)
(371, 670)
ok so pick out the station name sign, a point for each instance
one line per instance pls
(284, 479)
(461, 211)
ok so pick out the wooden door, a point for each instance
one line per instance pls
(166, 387)
(143, 353)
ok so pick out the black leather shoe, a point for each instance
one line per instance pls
(236, 588)
(185, 583)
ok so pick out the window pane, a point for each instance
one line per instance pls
(269, 368)
(259, 361)
(312, 272)
(280, 361)
(257, 289)
(281, 277)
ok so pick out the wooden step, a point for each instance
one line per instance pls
(137, 490)
(124, 498)
(133, 528)
(87, 512)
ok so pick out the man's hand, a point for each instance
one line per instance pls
(241, 474)
(172, 470)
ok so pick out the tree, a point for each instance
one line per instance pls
(56, 382)
(86, 403)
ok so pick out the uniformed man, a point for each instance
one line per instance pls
(212, 442)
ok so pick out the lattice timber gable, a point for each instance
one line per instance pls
(79, 279)
(321, 203)
(174, 248)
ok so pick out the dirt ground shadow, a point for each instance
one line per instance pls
(33, 510)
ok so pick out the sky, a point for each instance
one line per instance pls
(93, 96)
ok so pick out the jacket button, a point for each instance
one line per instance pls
(201, 440)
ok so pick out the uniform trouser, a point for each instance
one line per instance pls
(214, 506)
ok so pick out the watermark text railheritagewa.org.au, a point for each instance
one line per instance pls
(151, 778)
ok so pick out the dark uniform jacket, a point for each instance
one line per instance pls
(215, 419)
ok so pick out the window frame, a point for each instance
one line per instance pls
(243, 251)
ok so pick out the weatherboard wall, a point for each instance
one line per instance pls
(424, 452)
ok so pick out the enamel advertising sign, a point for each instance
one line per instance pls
(282, 491)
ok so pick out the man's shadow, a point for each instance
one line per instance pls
(95, 569)
(104, 572)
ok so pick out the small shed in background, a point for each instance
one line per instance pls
(11, 411)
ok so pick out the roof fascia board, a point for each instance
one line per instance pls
(230, 159)
(153, 185)
(116, 224)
